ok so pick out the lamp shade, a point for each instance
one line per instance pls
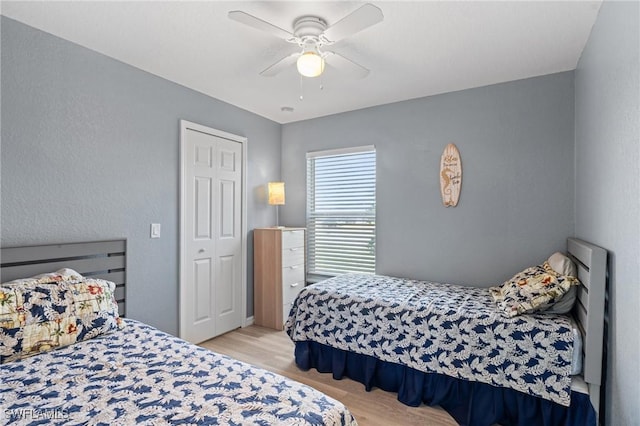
(310, 64)
(276, 193)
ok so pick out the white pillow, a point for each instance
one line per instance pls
(564, 266)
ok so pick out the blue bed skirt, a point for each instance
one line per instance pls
(469, 403)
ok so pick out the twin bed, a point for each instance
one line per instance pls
(120, 371)
(432, 343)
(449, 345)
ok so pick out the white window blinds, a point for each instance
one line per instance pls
(341, 211)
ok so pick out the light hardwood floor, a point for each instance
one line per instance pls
(273, 350)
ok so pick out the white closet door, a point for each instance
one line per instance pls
(228, 238)
(211, 287)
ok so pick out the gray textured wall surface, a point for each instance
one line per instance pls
(90, 150)
(516, 204)
(607, 207)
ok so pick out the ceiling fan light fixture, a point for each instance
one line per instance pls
(310, 64)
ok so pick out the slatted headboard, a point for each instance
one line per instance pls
(589, 310)
(100, 259)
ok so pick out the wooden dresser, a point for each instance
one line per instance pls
(278, 273)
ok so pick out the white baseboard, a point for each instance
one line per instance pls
(248, 321)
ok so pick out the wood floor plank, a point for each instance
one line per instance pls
(273, 351)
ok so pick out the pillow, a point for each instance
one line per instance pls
(534, 289)
(38, 316)
(566, 302)
(64, 274)
(563, 266)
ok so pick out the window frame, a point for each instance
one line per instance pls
(313, 274)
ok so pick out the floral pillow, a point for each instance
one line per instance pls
(47, 312)
(534, 289)
(64, 274)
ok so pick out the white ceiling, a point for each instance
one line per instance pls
(421, 48)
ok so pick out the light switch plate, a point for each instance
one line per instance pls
(155, 230)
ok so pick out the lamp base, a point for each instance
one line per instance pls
(278, 217)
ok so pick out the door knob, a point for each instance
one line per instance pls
(201, 251)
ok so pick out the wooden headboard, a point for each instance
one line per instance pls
(99, 259)
(589, 310)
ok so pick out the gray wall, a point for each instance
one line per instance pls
(607, 207)
(90, 150)
(516, 205)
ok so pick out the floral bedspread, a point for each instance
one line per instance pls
(438, 328)
(140, 375)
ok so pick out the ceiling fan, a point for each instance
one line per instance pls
(311, 34)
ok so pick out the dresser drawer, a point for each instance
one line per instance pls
(292, 274)
(293, 238)
(290, 292)
(293, 256)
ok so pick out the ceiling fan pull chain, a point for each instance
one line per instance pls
(301, 91)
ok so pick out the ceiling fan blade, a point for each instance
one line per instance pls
(356, 21)
(346, 65)
(259, 24)
(279, 66)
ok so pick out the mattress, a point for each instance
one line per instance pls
(576, 357)
(140, 375)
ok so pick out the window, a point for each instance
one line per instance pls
(341, 211)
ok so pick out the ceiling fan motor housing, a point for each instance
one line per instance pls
(307, 29)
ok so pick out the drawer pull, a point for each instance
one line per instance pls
(295, 248)
(294, 284)
(294, 267)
